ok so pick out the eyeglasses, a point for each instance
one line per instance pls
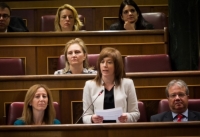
(4, 16)
(180, 95)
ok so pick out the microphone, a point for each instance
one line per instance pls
(89, 106)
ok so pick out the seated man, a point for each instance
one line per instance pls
(7, 24)
(177, 93)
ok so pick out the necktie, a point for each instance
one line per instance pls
(179, 117)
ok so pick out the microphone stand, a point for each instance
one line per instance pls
(89, 106)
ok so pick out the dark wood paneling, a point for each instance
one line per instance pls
(37, 47)
(93, 14)
(104, 12)
(57, 3)
(150, 88)
(151, 129)
(27, 52)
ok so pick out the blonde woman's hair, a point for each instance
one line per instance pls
(27, 114)
(77, 23)
(81, 43)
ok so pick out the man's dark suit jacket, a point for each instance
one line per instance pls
(17, 25)
(13, 29)
(167, 116)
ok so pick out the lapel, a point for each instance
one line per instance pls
(117, 94)
(168, 116)
(100, 100)
(191, 116)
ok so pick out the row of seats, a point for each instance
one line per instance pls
(16, 108)
(134, 63)
(157, 19)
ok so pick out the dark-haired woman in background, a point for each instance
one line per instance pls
(130, 18)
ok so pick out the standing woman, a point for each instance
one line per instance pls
(118, 90)
(38, 107)
(130, 18)
(76, 59)
(67, 19)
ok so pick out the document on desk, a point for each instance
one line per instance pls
(109, 114)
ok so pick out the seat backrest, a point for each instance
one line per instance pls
(7, 65)
(157, 19)
(147, 63)
(92, 60)
(61, 62)
(16, 109)
(141, 107)
(193, 104)
(47, 22)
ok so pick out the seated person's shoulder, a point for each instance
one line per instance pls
(17, 25)
(196, 113)
(14, 29)
(116, 26)
(56, 121)
(159, 117)
(146, 25)
(89, 71)
(19, 122)
(149, 26)
(60, 72)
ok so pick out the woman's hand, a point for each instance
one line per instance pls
(129, 25)
(123, 118)
(97, 119)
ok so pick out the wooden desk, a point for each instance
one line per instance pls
(164, 129)
(150, 88)
(40, 50)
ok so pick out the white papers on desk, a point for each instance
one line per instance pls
(109, 114)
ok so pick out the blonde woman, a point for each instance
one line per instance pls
(76, 59)
(67, 19)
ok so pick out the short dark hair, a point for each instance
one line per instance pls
(4, 5)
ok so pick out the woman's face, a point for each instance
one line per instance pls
(75, 55)
(107, 67)
(67, 20)
(129, 14)
(40, 100)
